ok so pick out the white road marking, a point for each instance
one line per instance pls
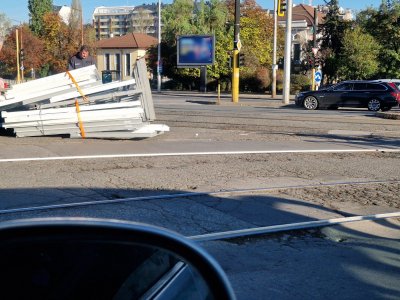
(3, 160)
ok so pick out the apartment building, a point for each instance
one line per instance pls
(120, 20)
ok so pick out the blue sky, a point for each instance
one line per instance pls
(18, 10)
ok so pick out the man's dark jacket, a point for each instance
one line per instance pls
(77, 62)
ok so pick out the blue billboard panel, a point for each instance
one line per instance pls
(195, 50)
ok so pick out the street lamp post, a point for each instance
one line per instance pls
(287, 47)
(159, 49)
(81, 25)
(288, 53)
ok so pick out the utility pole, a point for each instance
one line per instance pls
(81, 26)
(274, 65)
(159, 49)
(288, 53)
(235, 58)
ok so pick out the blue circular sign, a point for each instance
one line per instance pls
(318, 76)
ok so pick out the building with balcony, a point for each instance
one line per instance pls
(120, 20)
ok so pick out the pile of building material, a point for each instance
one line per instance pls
(80, 105)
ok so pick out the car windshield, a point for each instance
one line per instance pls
(196, 125)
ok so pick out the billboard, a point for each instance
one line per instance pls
(195, 50)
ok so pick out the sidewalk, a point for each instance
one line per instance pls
(394, 115)
(226, 98)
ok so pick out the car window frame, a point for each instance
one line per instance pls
(347, 90)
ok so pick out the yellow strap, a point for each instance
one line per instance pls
(78, 110)
(77, 86)
(80, 123)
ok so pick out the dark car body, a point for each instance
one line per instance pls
(374, 95)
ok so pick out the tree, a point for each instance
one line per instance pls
(384, 25)
(332, 30)
(35, 55)
(37, 9)
(58, 44)
(359, 55)
(256, 35)
(187, 17)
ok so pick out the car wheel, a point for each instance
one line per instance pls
(310, 103)
(374, 105)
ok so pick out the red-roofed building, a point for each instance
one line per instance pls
(120, 53)
(302, 28)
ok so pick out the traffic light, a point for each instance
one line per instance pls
(281, 7)
(21, 55)
(241, 59)
(230, 62)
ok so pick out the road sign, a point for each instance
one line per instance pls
(318, 77)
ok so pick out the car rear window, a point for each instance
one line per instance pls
(376, 87)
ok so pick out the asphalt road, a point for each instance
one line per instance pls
(356, 261)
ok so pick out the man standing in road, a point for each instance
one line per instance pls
(81, 59)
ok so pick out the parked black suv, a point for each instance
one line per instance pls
(374, 95)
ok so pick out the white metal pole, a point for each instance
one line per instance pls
(159, 48)
(274, 65)
(288, 53)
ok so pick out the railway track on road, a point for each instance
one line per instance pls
(188, 195)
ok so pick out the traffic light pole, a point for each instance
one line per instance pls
(18, 65)
(274, 65)
(22, 58)
(235, 53)
(288, 53)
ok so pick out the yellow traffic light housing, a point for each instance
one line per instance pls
(281, 7)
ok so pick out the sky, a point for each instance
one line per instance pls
(18, 10)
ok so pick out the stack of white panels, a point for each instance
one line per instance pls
(39, 90)
(46, 106)
(119, 120)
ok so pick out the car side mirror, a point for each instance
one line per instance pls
(79, 258)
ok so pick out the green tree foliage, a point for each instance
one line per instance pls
(217, 17)
(332, 30)
(384, 25)
(189, 17)
(359, 55)
(256, 35)
(61, 42)
(37, 9)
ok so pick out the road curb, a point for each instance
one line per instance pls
(388, 115)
